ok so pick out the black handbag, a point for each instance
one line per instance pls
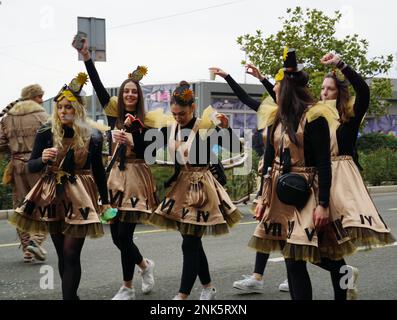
(292, 188)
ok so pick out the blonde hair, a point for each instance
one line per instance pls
(81, 128)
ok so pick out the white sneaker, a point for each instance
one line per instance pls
(177, 297)
(352, 292)
(284, 286)
(39, 252)
(125, 294)
(147, 277)
(208, 293)
(249, 284)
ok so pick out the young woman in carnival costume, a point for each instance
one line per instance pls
(64, 202)
(266, 112)
(342, 108)
(196, 203)
(130, 182)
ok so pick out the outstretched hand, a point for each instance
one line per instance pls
(254, 71)
(218, 72)
(84, 51)
(330, 58)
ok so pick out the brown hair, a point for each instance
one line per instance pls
(342, 100)
(140, 107)
(295, 97)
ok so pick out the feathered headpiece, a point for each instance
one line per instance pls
(72, 91)
(138, 73)
(290, 65)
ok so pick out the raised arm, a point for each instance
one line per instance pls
(359, 85)
(240, 92)
(361, 88)
(254, 71)
(100, 89)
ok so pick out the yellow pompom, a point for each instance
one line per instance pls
(142, 70)
(82, 78)
(187, 95)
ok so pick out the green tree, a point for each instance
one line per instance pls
(312, 33)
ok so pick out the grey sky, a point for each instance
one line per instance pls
(175, 39)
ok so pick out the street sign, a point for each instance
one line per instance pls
(96, 31)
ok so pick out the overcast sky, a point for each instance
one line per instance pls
(176, 39)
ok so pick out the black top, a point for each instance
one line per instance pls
(197, 158)
(104, 97)
(222, 137)
(317, 154)
(94, 160)
(348, 131)
(244, 97)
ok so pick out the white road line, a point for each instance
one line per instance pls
(9, 245)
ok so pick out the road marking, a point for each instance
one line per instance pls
(151, 231)
(279, 259)
(392, 209)
(9, 245)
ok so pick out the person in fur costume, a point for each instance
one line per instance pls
(18, 127)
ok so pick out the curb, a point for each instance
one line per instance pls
(382, 189)
(4, 214)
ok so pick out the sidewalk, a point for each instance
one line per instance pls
(372, 190)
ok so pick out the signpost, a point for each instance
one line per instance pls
(96, 32)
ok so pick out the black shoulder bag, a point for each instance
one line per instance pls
(292, 188)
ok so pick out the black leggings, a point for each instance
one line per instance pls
(194, 264)
(299, 281)
(260, 262)
(123, 238)
(68, 250)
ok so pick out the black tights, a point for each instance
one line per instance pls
(260, 262)
(68, 250)
(123, 238)
(299, 281)
(194, 264)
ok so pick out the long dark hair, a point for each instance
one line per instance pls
(294, 98)
(140, 107)
(342, 100)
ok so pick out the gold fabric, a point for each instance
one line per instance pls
(132, 191)
(196, 203)
(351, 206)
(77, 206)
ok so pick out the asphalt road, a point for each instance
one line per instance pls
(228, 258)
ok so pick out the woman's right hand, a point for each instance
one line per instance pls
(49, 154)
(254, 71)
(219, 72)
(84, 51)
(259, 210)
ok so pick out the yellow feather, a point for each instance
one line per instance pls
(112, 108)
(157, 119)
(266, 113)
(326, 109)
(206, 122)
